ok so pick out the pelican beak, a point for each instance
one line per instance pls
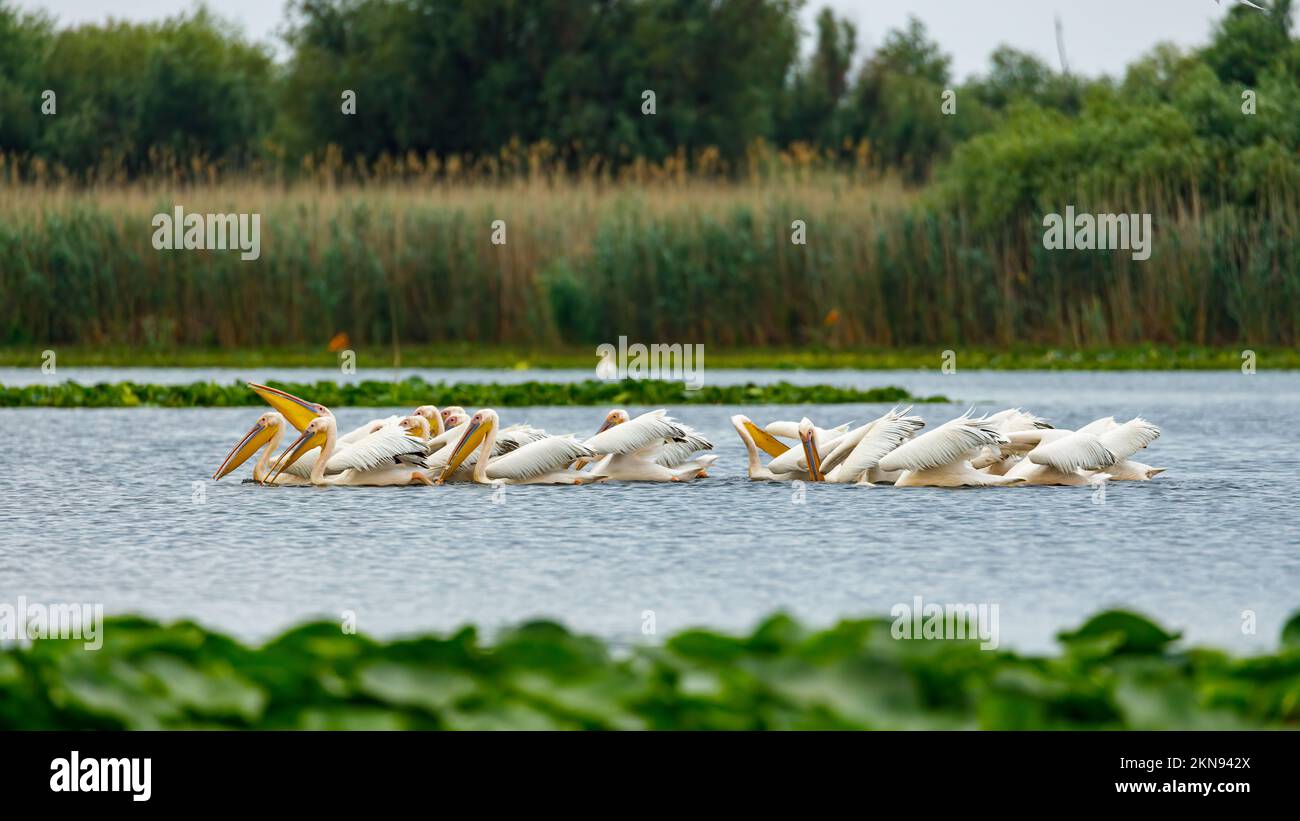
(610, 421)
(814, 459)
(471, 439)
(251, 443)
(299, 412)
(294, 452)
(766, 441)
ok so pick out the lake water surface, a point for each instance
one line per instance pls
(117, 507)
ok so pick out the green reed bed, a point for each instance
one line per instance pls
(1117, 671)
(584, 264)
(416, 391)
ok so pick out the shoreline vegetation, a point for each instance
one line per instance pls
(464, 355)
(1118, 671)
(814, 260)
(779, 197)
(416, 391)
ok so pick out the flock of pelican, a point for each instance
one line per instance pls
(1003, 449)
(433, 446)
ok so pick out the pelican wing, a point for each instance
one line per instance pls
(885, 436)
(1023, 441)
(947, 444)
(635, 434)
(538, 458)
(302, 467)
(1127, 439)
(379, 449)
(364, 430)
(790, 430)
(844, 446)
(677, 452)
(1015, 419)
(1099, 426)
(515, 437)
(1070, 453)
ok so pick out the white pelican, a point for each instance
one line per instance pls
(265, 435)
(1063, 457)
(941, 457)
(540, 461)
(857, 454)
(1124, 441)
(373, 460)
(1058, 457)
(437, 419)
(795, 460)
(628, 448)
(443, 448)
(754, 438)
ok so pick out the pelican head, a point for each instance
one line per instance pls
(452, 410)
(262, 432)
(416, 425)
(298, 411)
(434, 416)
(479, 425)
(454, 419)
(808, 436)
(614, 417)
(753, 434)
(313, 436)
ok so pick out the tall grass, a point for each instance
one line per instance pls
(672, 255)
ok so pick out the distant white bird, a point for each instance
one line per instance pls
(607, 368)
(941, 457)
(1247, 3)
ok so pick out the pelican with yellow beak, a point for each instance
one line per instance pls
(299, 412)
(541, 461)
(265, 435)
(755, 438)
(808, 440)
(382, 458)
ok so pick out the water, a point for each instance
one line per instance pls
(116, 507)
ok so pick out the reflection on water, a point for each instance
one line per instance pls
(115, 506)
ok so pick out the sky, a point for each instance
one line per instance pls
(1101, 36)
